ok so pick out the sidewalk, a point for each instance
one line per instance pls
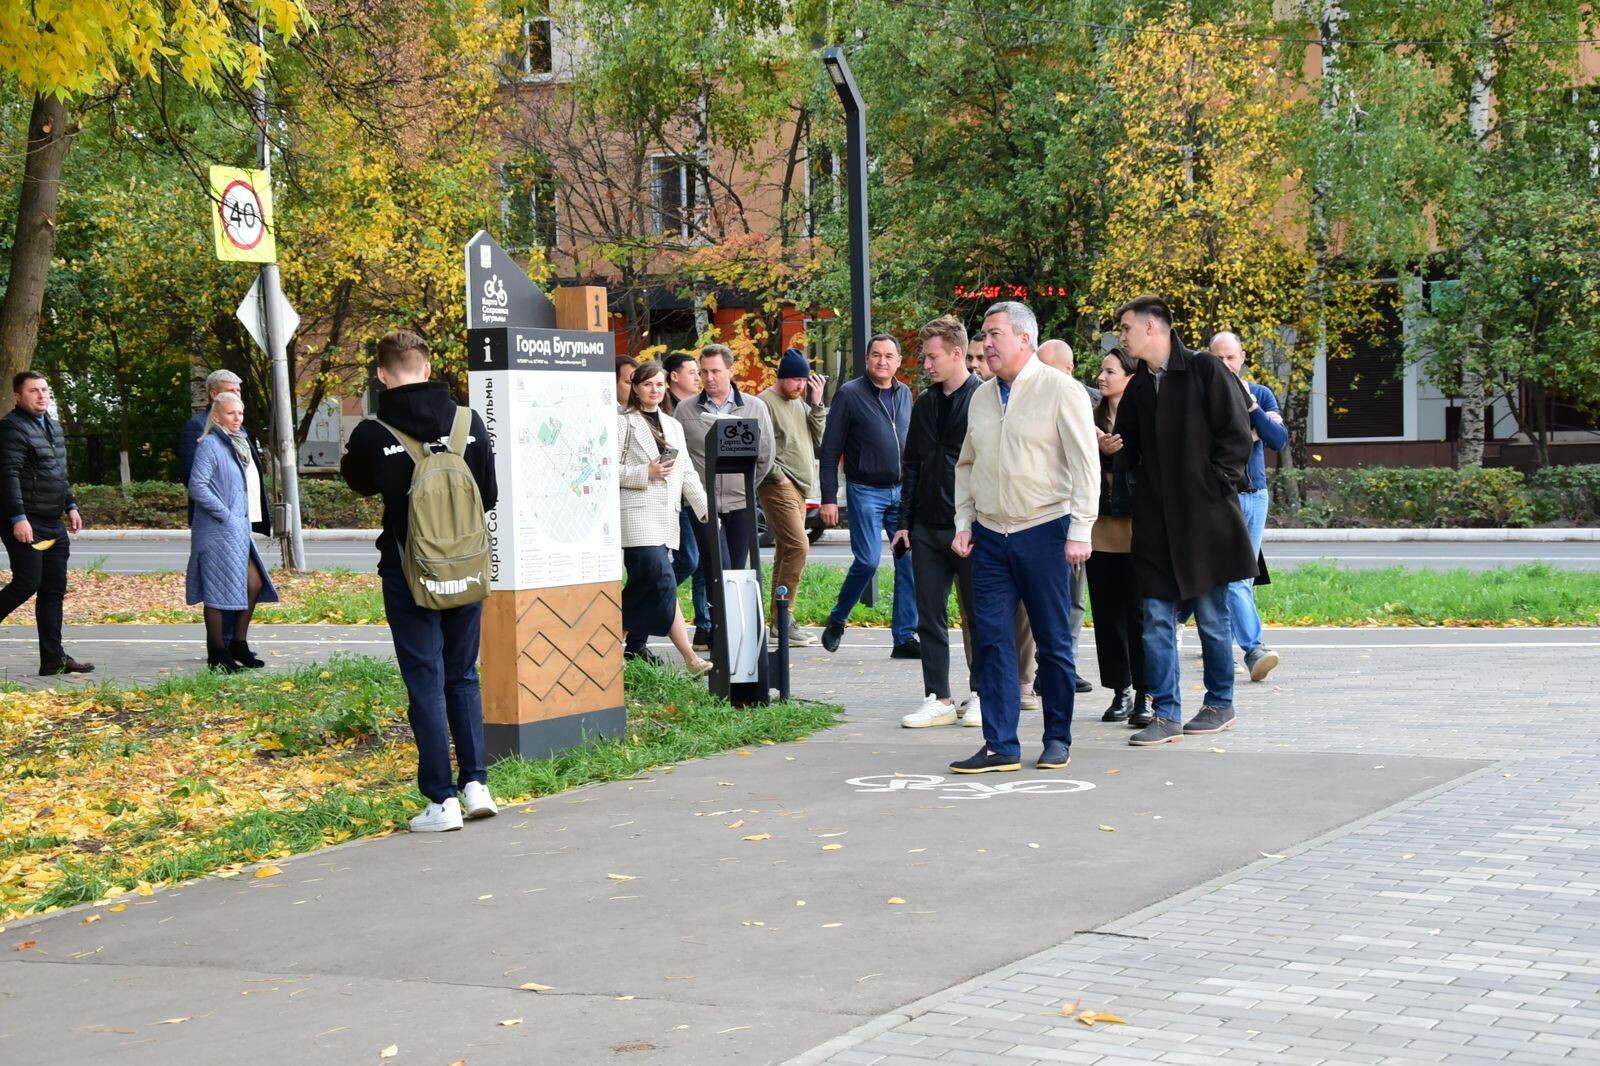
(1429, 928)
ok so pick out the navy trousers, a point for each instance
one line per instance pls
(1030, 567)
(437, 652)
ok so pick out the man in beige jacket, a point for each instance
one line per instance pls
(1027, 494)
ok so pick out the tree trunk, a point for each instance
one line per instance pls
(1469, 441)
(35, 243)
(124, 437)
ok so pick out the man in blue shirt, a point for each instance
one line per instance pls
(867, 427)
(1268, 431)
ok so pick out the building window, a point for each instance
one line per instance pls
(822, 187)
(529, 206)
(1366, 388)
(536, 58)
(673, 186)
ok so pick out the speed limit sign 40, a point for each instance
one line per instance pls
(241, 216)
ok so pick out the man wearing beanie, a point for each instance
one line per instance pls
(798, 415)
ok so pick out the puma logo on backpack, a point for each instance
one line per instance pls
(446, 554)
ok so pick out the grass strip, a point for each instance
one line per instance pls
(1322, 594)
(114, 791)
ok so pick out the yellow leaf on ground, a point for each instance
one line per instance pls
(117, 908)
(1070, 1009)
(171, 1021)
(742, 751)
(832, 847)
(759, 836)
(534, 987)
(894, 901)
(91, 919)
(511, 1021)
(620, 877)
(144, 888)
(1090, 1017)
(268, 871)
(389, 1052)
(1113, 771)
(736, 825)
(1107, 829)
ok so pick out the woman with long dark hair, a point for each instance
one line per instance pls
(657, 479)
(1118, 619)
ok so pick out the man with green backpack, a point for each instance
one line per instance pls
(434, 464)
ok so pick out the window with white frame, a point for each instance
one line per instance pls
(536, 58)
(672, 182)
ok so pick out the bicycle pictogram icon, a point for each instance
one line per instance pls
(882, 783)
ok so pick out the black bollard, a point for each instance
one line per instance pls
(781, 619)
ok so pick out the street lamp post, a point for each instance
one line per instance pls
(855, 117)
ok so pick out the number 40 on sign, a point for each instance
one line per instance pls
(241, 215)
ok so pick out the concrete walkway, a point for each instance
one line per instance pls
(1395, 857)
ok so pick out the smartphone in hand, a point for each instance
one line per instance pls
(669, 455)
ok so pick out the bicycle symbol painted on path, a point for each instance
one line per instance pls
(965, 789)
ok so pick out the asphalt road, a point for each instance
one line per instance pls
(172, 553)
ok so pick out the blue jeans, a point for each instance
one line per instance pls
(1030, 567)
(1242, 594)
(686, 563)
(438, 656)
(1210, 610)
(875, 510)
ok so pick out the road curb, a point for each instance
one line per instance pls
(839, 536)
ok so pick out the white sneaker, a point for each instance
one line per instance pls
(1029, 701)
(438, 817)
(932, 712)
(972, 715)
(477, 801)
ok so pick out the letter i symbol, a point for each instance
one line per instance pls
(486, 349)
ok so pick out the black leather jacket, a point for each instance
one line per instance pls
(33, 470)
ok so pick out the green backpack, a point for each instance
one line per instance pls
(446, 554)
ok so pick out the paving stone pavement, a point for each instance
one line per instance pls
(1460, 927)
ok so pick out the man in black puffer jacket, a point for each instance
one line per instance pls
(39, 513)
(437, 650)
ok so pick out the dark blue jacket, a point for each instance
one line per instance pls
(860, 430)
(1270, 433)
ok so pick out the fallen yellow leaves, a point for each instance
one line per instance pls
(894, 901)
(509, 1022)
(620, 877)
(1089, 1017)
(389, 1052)
(534, 987)
(104, 787)
(759, 836)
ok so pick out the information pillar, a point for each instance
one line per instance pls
(552, 626)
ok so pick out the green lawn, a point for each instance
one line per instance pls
(1319, 594)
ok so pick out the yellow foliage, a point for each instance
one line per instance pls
(70, 47)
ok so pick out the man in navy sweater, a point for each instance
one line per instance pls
(1268, 431)
(867, 426)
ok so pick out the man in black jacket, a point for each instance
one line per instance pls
(1186, 438)
(867, 427)
(39, 513)
(437, 650)
(926, 523)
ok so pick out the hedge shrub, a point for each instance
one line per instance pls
(324, 504)
(1438, 497)
(1331, 499)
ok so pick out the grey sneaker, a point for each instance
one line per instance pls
(1260, 660)
(799, 638)
(1160, 731)
(1210, 720)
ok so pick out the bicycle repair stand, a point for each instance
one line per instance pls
(738, 633)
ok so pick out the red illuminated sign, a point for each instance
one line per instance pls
(1009, 291)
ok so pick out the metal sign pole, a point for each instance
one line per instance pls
(289, 533)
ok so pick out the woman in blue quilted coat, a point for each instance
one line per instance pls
(225, 570)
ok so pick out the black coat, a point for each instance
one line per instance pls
(1186, 449)
(928, 464)
(375, 462)
(33, 471)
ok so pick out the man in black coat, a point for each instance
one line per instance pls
(39, 513)
(926, 520)
(1185, 442)
(437, 651)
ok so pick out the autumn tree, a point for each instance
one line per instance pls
(65, 54)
